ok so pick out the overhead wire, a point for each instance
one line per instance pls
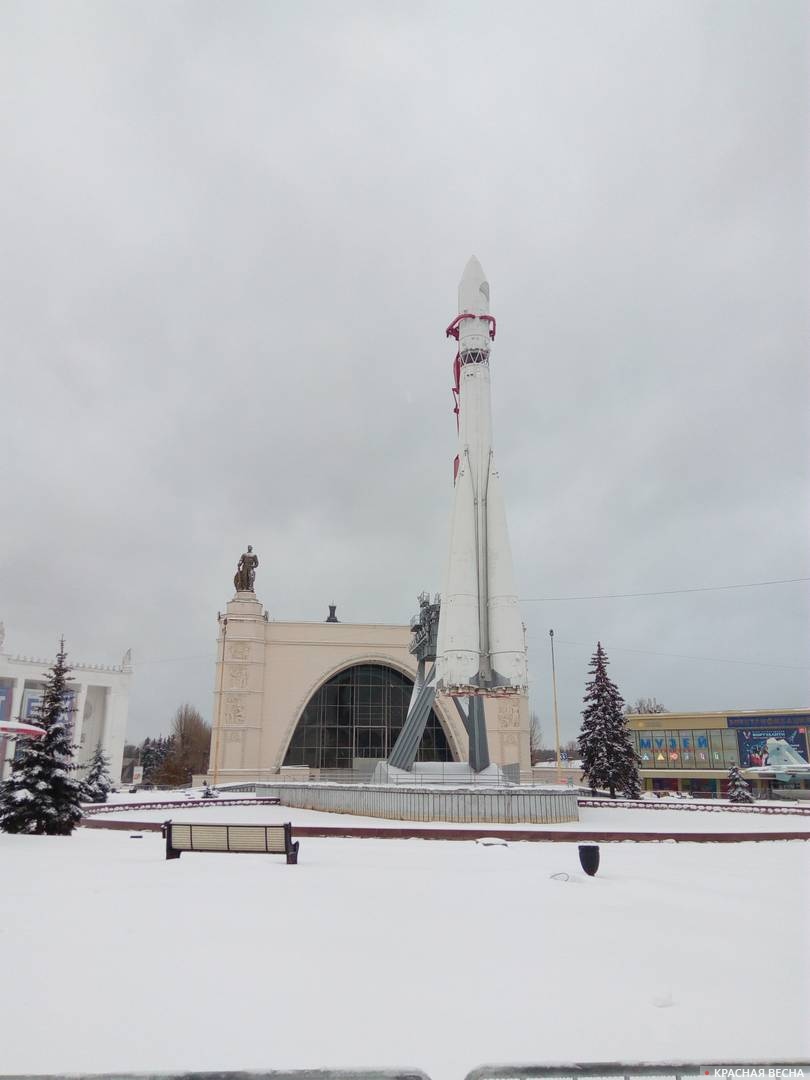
(606, 596)
(663, 592)
(685, 656)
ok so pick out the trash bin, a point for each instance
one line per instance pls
(589, 858)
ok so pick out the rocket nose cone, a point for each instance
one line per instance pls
(473, 289)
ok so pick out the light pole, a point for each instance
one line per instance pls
(556, 715)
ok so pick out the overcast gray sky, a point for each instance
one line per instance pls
(232, 236)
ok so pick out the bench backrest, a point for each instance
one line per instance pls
(271, 839)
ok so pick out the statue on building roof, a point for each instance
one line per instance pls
(246, 571)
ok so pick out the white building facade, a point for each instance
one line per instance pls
(100, 704)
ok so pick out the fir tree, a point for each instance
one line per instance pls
(739, 790)
(98, 783)
(608, 758)
(42, 795)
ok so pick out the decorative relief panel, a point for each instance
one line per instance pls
(509, 738)
(234, 711)
(237, 678)
(239, 650)
(509, 713)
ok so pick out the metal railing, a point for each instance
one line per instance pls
(443, 803)
(688, 804)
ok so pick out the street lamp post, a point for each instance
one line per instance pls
(556, 715)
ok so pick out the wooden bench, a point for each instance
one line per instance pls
(259, 839)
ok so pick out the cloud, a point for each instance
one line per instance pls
(232, 244)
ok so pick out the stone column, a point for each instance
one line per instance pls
(116, 707)
(78, 722)
(238, 691)
(7, 746)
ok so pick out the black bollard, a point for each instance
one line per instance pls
(589, 858)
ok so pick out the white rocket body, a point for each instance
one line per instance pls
(481, 646)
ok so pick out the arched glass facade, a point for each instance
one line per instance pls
(359, 714)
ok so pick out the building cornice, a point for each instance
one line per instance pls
(40, 662)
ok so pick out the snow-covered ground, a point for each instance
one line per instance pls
(437, 955)
(607, 820)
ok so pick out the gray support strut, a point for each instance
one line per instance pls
(405, 749)
(477, 731)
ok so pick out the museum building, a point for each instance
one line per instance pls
(692, 752)
(318, 700)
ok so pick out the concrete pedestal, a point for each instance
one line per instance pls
(239, 688)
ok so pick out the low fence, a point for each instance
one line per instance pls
(176, 804)
(499, 805)
(614, 1070)
(536, 836)
(688, 804)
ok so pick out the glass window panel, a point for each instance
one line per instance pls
(673, 752)
(359, 713)
(646, 749)
(703, 756)
(716, 748)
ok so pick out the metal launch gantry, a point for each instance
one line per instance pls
(425, 630)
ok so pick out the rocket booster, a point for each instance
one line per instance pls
(481, 647)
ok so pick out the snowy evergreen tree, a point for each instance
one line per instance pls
(154, 753)
(739, 790)
(98, 783)
(608, 758)
(43, 795)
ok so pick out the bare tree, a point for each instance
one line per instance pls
(571, 750)
(190, 746)
(645, 706)
(535, 737)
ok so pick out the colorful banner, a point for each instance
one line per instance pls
(753, 743)
(31, 700)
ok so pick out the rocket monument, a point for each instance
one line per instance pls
(480, 648)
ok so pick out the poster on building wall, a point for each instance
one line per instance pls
(31, 701)
(6, 693)
(753, 743)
